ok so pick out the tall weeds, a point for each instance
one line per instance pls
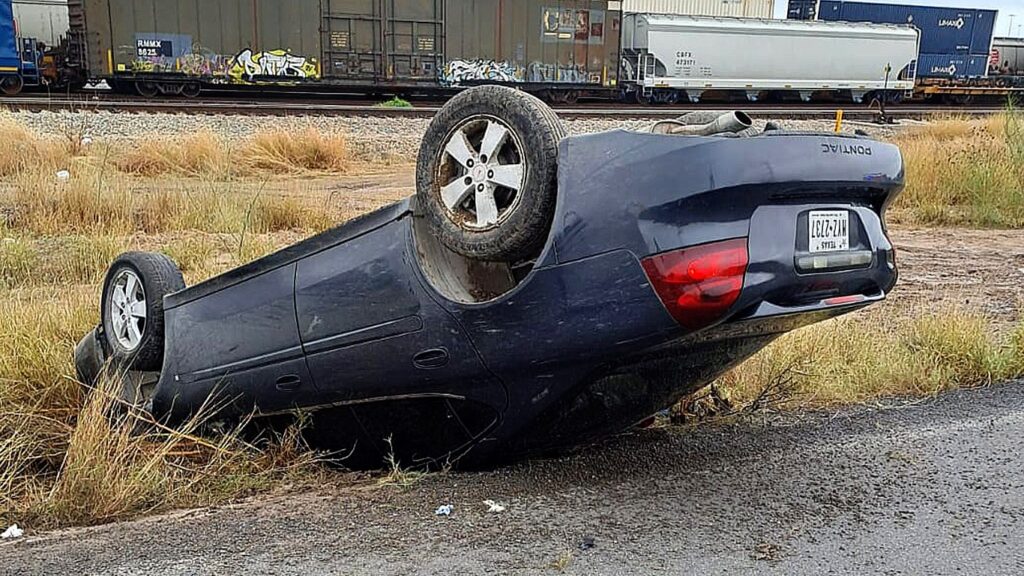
(965, 172)
(853, 359)
(67, 458)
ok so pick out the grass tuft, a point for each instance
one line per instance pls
(290, 152)
(395, 102)
(201, 154)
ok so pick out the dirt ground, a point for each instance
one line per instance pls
(982, 269)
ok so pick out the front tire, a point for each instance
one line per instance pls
(486, 176)
(132, 308)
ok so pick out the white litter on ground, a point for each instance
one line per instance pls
(494, 507)
(445, 510)
(63, 175)
(12, 532)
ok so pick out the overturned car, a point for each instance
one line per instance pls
(539, 291)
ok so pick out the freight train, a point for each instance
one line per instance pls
(957, 60)
(562, 50)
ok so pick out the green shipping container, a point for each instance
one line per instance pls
(351, 42)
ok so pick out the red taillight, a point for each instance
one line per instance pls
(698, 285)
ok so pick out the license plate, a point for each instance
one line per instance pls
(829, 231)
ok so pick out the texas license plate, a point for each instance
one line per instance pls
(829, 231)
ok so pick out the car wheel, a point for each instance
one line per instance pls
(132, 308)
(486, 177)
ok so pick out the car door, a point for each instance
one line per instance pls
(371, 333)
(236, 337)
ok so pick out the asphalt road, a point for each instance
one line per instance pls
(929, 488)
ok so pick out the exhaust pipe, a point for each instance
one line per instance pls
(730, 122)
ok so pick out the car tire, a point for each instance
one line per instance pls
(132, 308)
(496, 145)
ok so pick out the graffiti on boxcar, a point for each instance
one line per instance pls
(567, 73)
(173, 53)
(457, 72)
(203, 62)
(461, 72)
(579, 26)
(249, 66)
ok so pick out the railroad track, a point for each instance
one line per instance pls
(294, 107)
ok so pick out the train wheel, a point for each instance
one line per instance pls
(667, 97)
(959, 99)
(11, 85)
(147, 89)
(191, 90)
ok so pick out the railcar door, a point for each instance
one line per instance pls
(413, 38)
(377, 41)
(353, 40)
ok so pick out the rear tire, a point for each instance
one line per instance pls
(486, 176)
(132, 309)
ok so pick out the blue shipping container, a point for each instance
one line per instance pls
(952, 66)
(9, 59)
(943, 30)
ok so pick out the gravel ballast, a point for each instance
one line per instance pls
(371, 136)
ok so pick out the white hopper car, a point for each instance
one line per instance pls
(666, 58)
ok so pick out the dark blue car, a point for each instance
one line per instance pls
(540, 291)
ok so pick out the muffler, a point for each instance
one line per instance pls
(730, 122)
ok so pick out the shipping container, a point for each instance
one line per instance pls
(737, 8)
(691, 55)
(952, 66)
(44, 20)
(373, 43)
(1008, 56)
(943, 30)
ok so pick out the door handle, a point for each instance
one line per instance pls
(289, 383)
(430, 359)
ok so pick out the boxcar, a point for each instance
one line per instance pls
(179, 46)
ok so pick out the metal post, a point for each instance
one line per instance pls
(884, 118)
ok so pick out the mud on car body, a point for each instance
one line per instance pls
(539, 291)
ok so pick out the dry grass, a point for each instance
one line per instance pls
(965, 172)
(64, 460)
(290, 152)
(859, 359)
(201, 154)
(95, 201)
(22, 151)
(264, 154)
(52, 261)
